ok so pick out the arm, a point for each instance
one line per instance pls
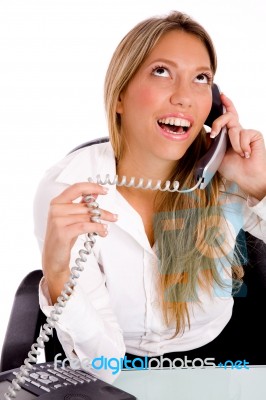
(255, 218)
(87, 327)
(66, 221)
(245, 161)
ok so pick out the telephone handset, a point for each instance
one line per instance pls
(210, 162)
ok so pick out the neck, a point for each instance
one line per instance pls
(146, 169)
(143, 201)
(143, 169)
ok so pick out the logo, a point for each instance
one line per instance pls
(239, 364)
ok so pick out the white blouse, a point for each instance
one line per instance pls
(115, 307)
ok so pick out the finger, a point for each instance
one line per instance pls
(74, 225)
(84, 228)
(234, 136)
(68, 209)
(57, 210)
(245, 140)
(77, 190)
(228, 104)
(104, 215)
(228, 119)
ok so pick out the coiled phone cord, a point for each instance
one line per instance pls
(141, 185)
(47, 328)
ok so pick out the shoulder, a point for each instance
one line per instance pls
(75, 167)
(79, 165)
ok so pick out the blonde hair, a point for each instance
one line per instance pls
(180, 260)
(132, 52)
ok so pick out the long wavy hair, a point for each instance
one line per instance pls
(185, 225)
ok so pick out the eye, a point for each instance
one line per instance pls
(203, 78)
(161, 71)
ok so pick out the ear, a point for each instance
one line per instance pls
(119, 104)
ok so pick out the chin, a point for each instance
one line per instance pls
(175, 156)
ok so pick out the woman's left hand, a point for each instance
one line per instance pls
(245, 161)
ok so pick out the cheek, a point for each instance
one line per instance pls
(205, 107)
(144, 97)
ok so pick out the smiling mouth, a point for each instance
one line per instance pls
(176, 126)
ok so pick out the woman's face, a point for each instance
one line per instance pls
(168, 100)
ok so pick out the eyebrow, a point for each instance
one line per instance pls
(174, 64)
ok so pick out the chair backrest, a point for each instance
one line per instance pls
(90, 143)
(24, 325)
(23, 322)
(248, 328)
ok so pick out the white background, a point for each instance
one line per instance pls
(53, 57)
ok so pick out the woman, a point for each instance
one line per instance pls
(159, 278)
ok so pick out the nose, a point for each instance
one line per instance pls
(181, 95)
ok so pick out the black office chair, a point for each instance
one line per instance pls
(245, 333)
(90, 143)
(24, 325)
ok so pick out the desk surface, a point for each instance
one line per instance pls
(195, 384)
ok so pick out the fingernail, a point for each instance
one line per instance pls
(115, 216)
(247, 154)
(105, 189)
(213, 134)
(106, 227)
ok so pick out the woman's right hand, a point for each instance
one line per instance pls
(66, 221)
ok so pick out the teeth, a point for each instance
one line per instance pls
(175, 121)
